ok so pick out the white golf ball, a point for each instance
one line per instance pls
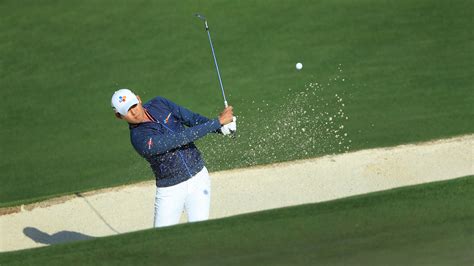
(299, 66)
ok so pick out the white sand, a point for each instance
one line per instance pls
(130, 208)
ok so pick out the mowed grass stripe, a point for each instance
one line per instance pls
(425, 224)
(402, 68)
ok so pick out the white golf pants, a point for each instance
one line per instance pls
(193, 194)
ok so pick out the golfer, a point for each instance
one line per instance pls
(163, 132)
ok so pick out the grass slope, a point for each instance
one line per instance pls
(429, 224)
(401, 71)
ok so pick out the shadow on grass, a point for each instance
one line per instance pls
(60, 237)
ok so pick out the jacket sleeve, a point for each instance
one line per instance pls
(188, 117)
(157, 143)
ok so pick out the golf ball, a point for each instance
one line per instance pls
(299, 66)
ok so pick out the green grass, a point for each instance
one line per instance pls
(429, 224)
(403, 70)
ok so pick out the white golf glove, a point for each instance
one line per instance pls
(230, 128)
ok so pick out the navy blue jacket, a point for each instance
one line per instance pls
(167, 144)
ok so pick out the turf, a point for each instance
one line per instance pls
(429, 224)
(402, 69)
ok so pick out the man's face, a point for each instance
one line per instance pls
(135, 114)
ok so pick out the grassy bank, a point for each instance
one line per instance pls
(418, 225)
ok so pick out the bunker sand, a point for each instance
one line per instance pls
(130, 208)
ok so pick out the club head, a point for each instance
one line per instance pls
(201, 17)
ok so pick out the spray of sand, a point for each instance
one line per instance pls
(312, 121)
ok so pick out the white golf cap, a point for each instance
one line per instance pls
(122, 100)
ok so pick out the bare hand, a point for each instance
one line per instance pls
(226, 116)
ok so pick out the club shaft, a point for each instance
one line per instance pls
(217, 66)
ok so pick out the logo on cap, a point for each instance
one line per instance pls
(122, 98)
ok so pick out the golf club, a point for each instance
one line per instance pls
(214, 56)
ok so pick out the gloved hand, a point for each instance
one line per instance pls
(230, 128)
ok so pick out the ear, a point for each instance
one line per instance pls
(139, 99)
